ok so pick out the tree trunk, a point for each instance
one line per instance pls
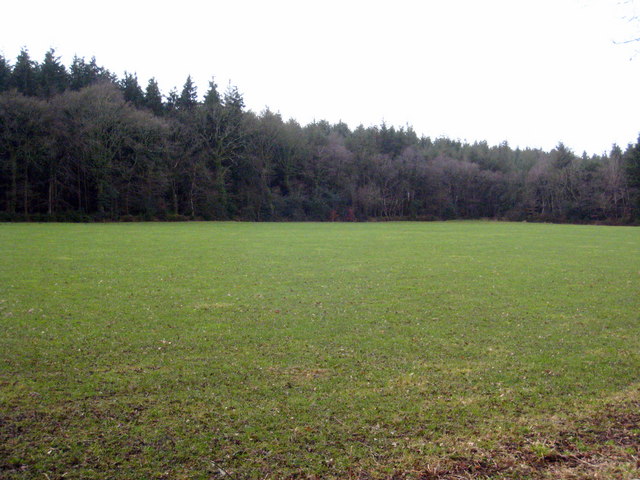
(175, 199)
(192, 192)
(126, 198)
(50, 199)
(13, 197)
(26, 194)
(221, 187)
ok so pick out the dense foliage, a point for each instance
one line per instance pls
(78, 143)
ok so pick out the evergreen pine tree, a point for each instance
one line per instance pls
(5, 74)
(171, 103)
(153, 97)
(189, 96)
(212, 97)
(561, 156)
(23, 77)
(83, 74)
(131, 90)
(52, 75)
(233, 99)
(632, 171)
(97, 73)
(77, 73)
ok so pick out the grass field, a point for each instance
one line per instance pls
(380, 350)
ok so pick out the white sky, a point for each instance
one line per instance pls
(529, 72)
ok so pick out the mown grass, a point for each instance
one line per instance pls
(420, 350)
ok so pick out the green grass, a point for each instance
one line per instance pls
(151, 350)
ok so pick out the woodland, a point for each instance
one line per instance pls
(78, 143)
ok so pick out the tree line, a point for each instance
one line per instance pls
(81, 144)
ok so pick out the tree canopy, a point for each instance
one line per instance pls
(78, 143)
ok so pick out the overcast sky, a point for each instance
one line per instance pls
(532, 73)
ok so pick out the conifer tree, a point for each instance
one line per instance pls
(83, 74)
(212, 97)
(52, 75)
(76, 73)
(153, 97)
(632, 170)
(172, 100)
(131, 90)
(5, 74)
(23, 77)
(233, 99)
(189, 96)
